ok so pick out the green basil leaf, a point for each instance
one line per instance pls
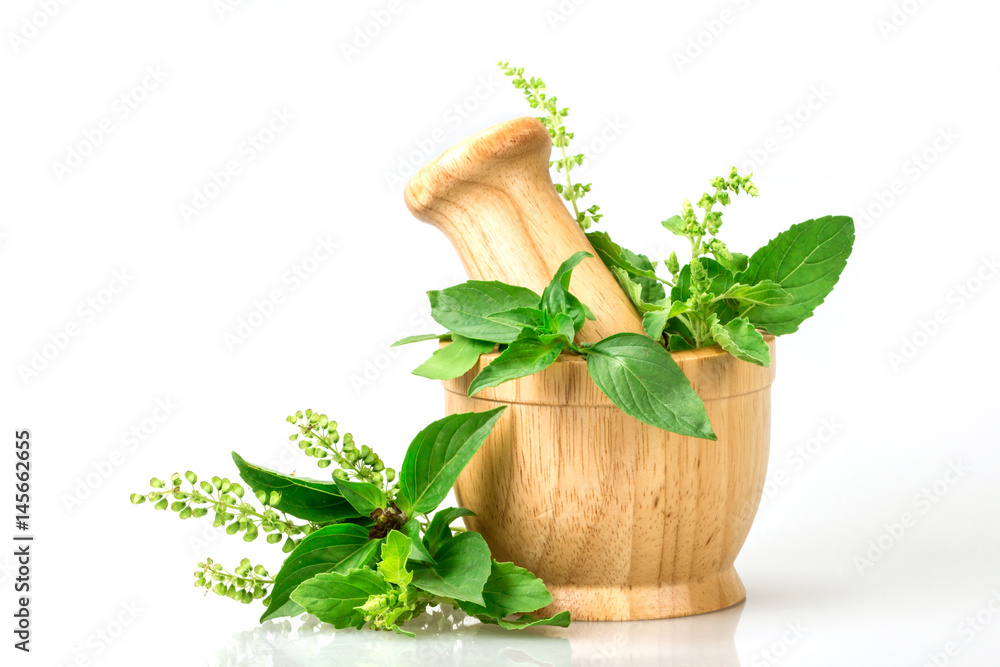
(307, 499)
(532, 318)
(439, 531)
(562, 326)
(654, 322)
(765, 293)
(806, 261)
(645, 275)
(578, 311)
(465, 309)
(395, 553)
(453, 359)
(437, 455)
(739, 338)
(676, 343)
(420, 338)
(678, 308)
(555, 298)
(613, 254)
(509, 590)
(674, 224)
(331, 549)
(562, 620)
(419, 553)
(525, 356)
(391, 619)
(632, 289)
(642, 379)
(735, 261)
(637, 267)
(365, 498)
(332, 597)
(463, 566)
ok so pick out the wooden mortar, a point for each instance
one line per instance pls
(623, 521)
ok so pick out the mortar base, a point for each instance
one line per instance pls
(634, 603)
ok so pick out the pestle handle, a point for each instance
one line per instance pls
(492, 196)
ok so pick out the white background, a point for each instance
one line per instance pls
(882, 96)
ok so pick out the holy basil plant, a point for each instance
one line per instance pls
(364, 548)
(719, 297)
(634, 371)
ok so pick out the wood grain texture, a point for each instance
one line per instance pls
(493, 198)
(623, 521)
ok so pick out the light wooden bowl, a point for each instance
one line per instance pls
(623, 521)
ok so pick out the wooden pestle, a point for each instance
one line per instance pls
(492, 196)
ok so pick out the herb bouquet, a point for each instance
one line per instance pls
(362, 549)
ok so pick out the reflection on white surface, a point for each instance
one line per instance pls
(450, 638)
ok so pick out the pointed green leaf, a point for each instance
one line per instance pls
(331, 549)
(654, 322)
(641, 378)
(613, 254)
(364, 497)
(675, 225)
(556, 298)
(532, 318)
(735, 262)
(656, 318)
(395, 553)
(332, 597)
(307, 499)
(421, 338)
(677, 343)
(453, 359)
(764, 293)
(562, 620)
(806, 261)
(578, 311)
(739, 338)
(509, 590)
(439, 531)
(632, 289)
(678, 308)
(437, 455)
(560, 328)
(636, 266)
(465, 309)
(463, 566)
(419, 553)
(645, 275)
(525, 356)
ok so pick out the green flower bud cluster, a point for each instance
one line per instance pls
(673, 266)
(318, 437)
(689, 225)
(719, 249)
(386, 610)
(224, 499)
(711, 220)
(700, 294)
(535, 93)
(245, 584)
(702, 236)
